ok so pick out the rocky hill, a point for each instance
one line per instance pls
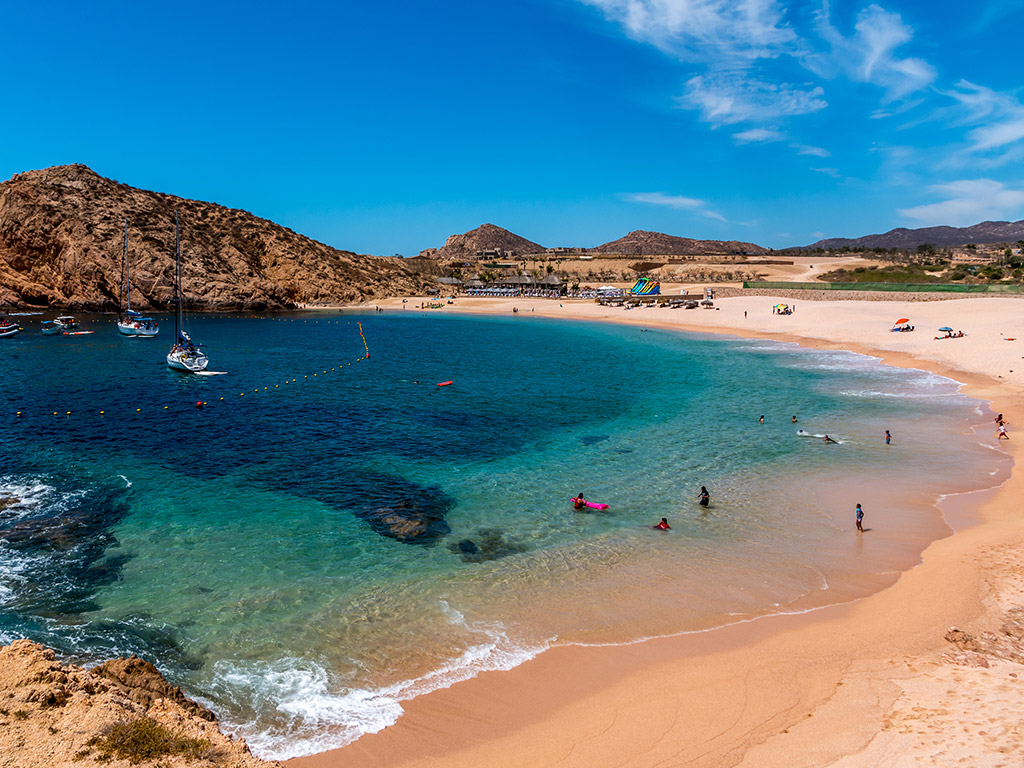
(61, 244)
(641, 243)
(484, 238)
(943, 237)
(119, 714)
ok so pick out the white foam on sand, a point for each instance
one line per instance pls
(313, 712)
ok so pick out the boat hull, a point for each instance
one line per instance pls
(8, 332)
(191, 362)
(137, 330)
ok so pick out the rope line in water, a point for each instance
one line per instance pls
(203, 403)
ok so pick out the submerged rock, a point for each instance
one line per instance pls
(490, 544)
(410, 513)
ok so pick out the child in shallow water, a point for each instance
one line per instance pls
(663, 525)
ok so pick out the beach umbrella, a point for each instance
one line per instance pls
(902, 320)
(946, 328)
(782, 306)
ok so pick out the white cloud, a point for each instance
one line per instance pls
(727, 98)
(804, 149)
(1001, 116)
(678, 202)
(868, 56)
(969, 202)
(693, 29)
(833, 172)
(757, 136)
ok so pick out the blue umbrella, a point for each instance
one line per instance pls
(946, 328)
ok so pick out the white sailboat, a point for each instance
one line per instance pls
(129, 322)
(184, 355)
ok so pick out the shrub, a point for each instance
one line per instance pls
(146, 739)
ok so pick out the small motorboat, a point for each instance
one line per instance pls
(66, 323)
(8, 328)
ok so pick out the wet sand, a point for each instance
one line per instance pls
(873, 682)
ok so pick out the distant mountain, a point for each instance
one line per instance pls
(60, 246)
(641, 243)
(944, 237)
(484, 238)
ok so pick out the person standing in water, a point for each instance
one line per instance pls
(663, 525)
(704, 497)
(794, 419)
(860, 518)
(888, 437)
(761, 419)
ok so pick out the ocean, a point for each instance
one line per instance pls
(333, 533)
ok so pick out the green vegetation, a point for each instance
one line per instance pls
(896, 273)
(145, 739)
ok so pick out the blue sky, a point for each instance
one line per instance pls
(384, 127)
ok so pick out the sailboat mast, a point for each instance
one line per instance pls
(127, 276)
(177, 279)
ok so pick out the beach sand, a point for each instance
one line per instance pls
(873, 682)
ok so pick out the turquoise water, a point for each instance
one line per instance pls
(241, 547)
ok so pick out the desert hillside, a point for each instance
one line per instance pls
(61, 244)
(641, 243)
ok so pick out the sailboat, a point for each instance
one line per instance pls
(184, 355)
(130, 322)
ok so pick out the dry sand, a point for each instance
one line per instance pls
(870, 683)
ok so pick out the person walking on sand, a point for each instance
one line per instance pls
(888, 437)
(1002, 433)
(860, 518)
(704, 498)
(999, 420)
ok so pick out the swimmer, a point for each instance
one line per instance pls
(663, 525)
(829, 439)
(761, 419)
(794, 419)
(704, 497)
(579, 502)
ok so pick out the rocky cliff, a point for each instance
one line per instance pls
(484, 238)
(61, 245)
(119, 714)
(641, 243)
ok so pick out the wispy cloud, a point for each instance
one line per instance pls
(1001, 116)
(757, 136)
(833, 172)
(678, 202)
(729, 98)
(969, 202)
(696, 29)
(805, 149)
(869, 54)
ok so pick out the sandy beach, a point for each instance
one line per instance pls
(874, 682)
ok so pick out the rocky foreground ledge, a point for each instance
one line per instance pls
(121, 713)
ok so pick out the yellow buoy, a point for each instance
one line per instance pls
(19, 413)
(102, 412)
(67, 413)
(137, 410)
(165, 407)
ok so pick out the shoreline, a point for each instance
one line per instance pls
(755, 692)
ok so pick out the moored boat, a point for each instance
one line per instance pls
(8, 327)
(185, 355)
(129, 322)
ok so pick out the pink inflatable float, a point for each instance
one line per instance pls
(590, 504)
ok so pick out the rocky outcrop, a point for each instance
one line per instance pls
(52, 715)
(61, 246)
(942, 237)
(641, 243)
(484, 238)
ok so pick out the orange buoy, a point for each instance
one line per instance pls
(444, 383)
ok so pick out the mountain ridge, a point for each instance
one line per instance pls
(985, 232)
(61, 246)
